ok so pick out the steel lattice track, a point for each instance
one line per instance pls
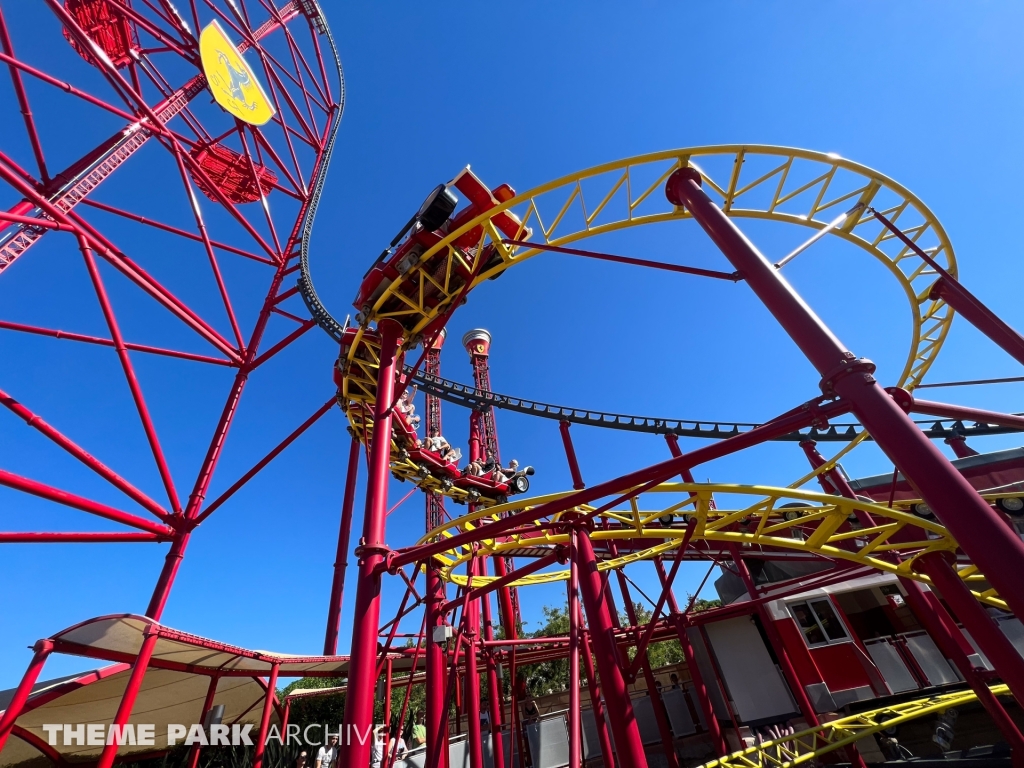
(471, 397)
(810, 744)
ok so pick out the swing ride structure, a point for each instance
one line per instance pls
(248, 169)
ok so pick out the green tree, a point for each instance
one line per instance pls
(549, 676)
(326, 709)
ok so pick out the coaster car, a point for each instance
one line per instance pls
(488, 485)
(429, 226)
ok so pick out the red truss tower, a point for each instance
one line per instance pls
(484, 431)
(432, 405)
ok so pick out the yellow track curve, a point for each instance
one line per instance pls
(821, 526)
(791, 185)
(812, 743)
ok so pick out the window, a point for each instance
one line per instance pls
(818, 621)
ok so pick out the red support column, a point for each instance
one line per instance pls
(495, 698)
(981, 532)
(42, 650)
(363, 664)
(936, 621)
(664, 728)
(699, 688)
(268, 709)
(475, 436)
(960, 447)
(472, 678)
(436, 716)
(341, 557)
(949, 289)
(570, 455)
(131, 691)
(515, 720)
(978, 315)
(620, 709)
(990, 639)
(931, 614)
(575, 731)
(505, 607)
(799, 693)
(387, 696)
(597, 703)
(211, 691)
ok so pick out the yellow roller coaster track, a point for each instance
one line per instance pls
(760, 182)
(807, 745)
(812, 522)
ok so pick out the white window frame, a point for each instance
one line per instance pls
(835, 612)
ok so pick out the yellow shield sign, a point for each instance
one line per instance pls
(232, 83)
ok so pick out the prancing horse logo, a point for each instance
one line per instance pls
(237, 78)
(233, 84)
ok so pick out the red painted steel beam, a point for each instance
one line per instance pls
(963, 413)
(211, 691)
(666, 590)
(934, 617)
(402, 611)
(362, 679)
(731, 276)
(472, 677)
(129, 372)
(573, 597)
(82, 538)
(58, 334)
(783, 425)
(131, 270)
(41, 651)
(92, 463)
(11, 61)
(50, 493)
(629, 747)
(597, 703)
(993, 643)
(644, 663)
(42, 223)
(268, 707)
(527, 641)
(341, 556)
(981, 532)
(950, 290)
(699, 687)
(26, 111)
(960, 446)
(218, 277)
(135, 100)
(502, 581)
(789, 671)
(131, 691)
(177, 552)
(494, 698)
(274, 453)
(570, 455)
(408, 695)
(161, 226)
(436, 712)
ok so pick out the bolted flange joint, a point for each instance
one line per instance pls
(901, 397)
(678, 178)
(850, 366)
(363, 550)
(919, 563)
(562, 553)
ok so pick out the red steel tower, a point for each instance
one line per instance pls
(432, 405)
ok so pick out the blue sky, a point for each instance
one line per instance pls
(927, 93)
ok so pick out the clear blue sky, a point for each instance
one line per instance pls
(928, 93)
